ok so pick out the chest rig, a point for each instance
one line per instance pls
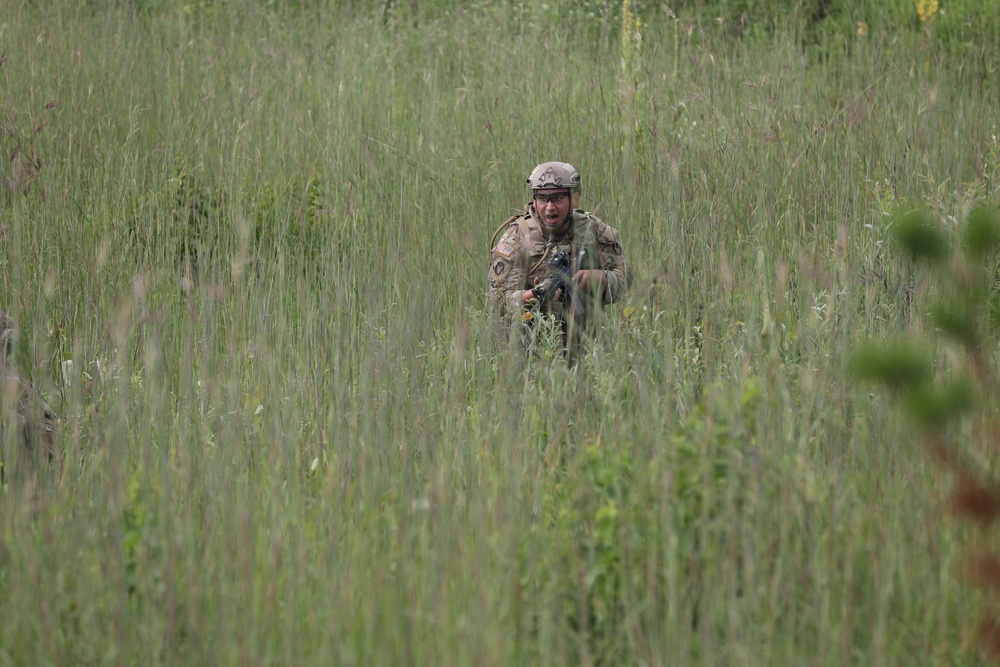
(539, 249)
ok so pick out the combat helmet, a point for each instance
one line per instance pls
(555, 176)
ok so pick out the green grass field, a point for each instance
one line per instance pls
(260, 232)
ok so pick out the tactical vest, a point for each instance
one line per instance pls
(538, 249)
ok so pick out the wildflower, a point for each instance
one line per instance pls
(927, 10)
(631, 42)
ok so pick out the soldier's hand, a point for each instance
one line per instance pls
(528, 295)
(592, 279)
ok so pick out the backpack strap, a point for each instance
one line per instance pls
(517, 217)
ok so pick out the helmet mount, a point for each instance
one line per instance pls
(555, 176)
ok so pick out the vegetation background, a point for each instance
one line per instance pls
(246, 245)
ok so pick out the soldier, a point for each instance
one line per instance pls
(23, 411)
(554, 238)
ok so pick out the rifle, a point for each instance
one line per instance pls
(561, 270)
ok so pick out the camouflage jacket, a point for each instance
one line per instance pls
(521, 253)
(22, 407)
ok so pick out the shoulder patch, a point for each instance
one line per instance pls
(504, 249)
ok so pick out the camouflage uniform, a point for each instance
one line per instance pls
(522, 253)
(25, 417)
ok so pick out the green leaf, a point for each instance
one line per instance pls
(934, 407)
(982, 232)
(898, 366)
(750, 393)
(916, 233)
(956, 320)
(993, 312)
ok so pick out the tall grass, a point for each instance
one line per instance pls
(259, 234)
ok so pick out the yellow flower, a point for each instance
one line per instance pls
(927, 10)
(862, 29)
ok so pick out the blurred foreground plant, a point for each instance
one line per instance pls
(945, 377)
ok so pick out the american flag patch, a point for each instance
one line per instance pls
(505, 250)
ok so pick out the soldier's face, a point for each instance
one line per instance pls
(552, 207)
